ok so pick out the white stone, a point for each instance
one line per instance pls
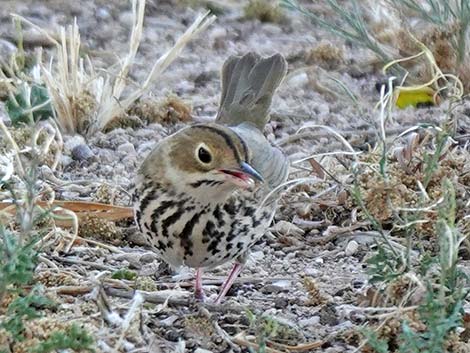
(351, 248)
(298, 80)
(201, 350)
(126, 148)
(216, 33)
(70, 142)
(313, 272)
(311, 321)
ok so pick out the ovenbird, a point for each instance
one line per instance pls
(201, 194)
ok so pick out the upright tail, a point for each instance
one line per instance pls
(248, 85)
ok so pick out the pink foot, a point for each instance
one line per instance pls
(237, 268)
(198, 290)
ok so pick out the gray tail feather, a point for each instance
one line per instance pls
(248, 85)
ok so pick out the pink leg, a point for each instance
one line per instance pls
(237, 268)
(198, 291)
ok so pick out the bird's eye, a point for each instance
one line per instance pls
(204, 155)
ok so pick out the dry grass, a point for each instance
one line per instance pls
(85, 100)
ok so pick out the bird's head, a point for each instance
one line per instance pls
(208, 160)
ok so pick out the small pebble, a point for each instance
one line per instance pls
(271, 288)
(287, 228)
(313, 272)
(126, 148)
(70, 142)
(70, 195)
(82, 152)
(148, 258)
(65, 160)
(351, 248)
(281, 303)
(145, 147)
(201, 350)
(311, 321)
(103, 13)
(298, 80)
(170, 320)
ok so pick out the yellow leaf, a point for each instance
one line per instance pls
(416, 97)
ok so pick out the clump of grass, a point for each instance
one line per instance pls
(269, 332)
(169, 110)
(315, 295)
(100, 229)
(326, 55)
(72, 337)
(86, 100)
(264, 11)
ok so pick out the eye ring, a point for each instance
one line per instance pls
(204, 155)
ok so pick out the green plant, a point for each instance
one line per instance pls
(74, 337)
(22, 309)
(124, 274)
(29, 105)
(264, 329)
(21, 300)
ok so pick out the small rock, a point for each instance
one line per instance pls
(217, 33)
(272, 29)
(82, 152)
(103, 13)
(282, 283)
(322, 109)
(70, 195)
(146, 146)
(312, 272)
(328, 315)
(106, 156)
(257, 255)
(126, 148)
(291, 256)
(7, 48)
(148, 258)
(298, 80)
(132, 258)
(201, 350)
(70, 142)
(351, 248)
(319, 260)
(281, 303)
(273, 289)
(169, 321)
(311, 321)
(65, 160)
(287, 228)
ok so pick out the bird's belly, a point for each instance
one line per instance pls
(184, 232)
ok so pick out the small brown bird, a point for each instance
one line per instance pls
(203, 195)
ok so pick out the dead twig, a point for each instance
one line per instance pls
(84, 263)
